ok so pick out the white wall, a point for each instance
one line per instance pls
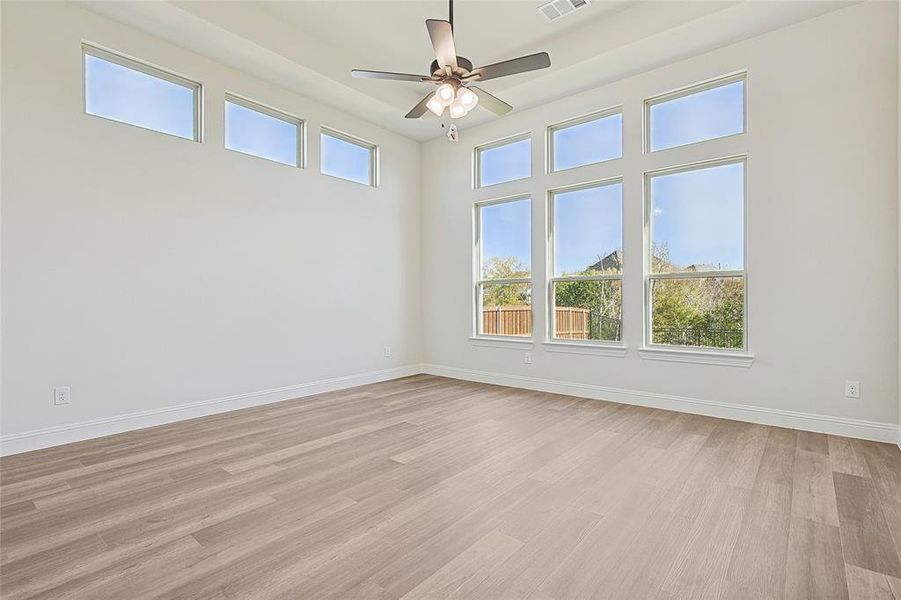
(147, 271)
(822, 209)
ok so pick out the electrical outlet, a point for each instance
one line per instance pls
(852, 389)
(387, 351)
(527, 359)
(61, 396)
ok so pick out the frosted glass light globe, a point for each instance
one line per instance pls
(468, 98)
(457, 110)
(445, 94)
(435, 105)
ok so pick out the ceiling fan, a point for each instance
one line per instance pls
(454, 75)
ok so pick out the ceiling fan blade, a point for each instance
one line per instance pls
(491, 102)
(366, 74)
(442, 36)
(523, 64)
(419, 110)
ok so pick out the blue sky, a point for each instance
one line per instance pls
(506, 231)
(343, 159)
(587, 227)
(705, 115)
(123, 94)
(586, 143)
(260, 134)
(130, 96)
(699, 215)
(506, 163)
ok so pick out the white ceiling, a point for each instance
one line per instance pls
(311, 46)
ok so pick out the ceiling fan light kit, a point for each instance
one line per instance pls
(454, 75)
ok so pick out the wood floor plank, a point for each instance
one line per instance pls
(432, 487)
(866, 539)
(815, 566)
(813, 494)
(864, 584)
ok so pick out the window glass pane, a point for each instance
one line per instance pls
(505, 163)
(704, 312)
(587, 143)
(344, 159)
(129, 96)
(506, 309)
(588, 310)
(706, 115)
(697, 219)
(588, 231)
(506, 239)
(259, 134)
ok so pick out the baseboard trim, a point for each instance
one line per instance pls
(843, 426)
(75, 432)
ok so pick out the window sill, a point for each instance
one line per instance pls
(502, 342)
(595, 349)
(729, 359)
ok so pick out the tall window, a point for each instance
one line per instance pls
(347, 157)
(586, 140)
(503, 161)
(702, 112)
(696, 278)
(260, 131)
(128, 91)
(504, 250)
(586, 231)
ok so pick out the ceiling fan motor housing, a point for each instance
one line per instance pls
(464, 67)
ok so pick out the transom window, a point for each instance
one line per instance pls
(347, 157)
(261, 131)
(586, 232)
(586, 140)
(703, 112)
(503, 245)
(696, 279)
(125, 90)
(503, 161)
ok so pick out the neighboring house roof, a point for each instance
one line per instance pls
(611, 262)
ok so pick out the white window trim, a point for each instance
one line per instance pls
(591, 348)
(688, 91)
(580, 120)
(553, 344)
(374, 174)
(703, 357)
(477, 159)
(502, 341)
(129, 62)
(700, 354)
(270, 112)
(478, 282)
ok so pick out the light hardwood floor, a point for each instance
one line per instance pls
(434, 488)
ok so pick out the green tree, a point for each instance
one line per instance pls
(505, 294)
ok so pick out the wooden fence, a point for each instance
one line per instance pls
(572, 323)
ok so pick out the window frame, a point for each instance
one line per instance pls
(477, 159)
(135, 64)
(373, 148)
(270, 112)
(649, 276)
(689, 90)
(479, 282)
(550, 130)
(553, 279)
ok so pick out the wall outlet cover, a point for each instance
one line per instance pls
(61, 395)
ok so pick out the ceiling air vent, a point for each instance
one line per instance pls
(560, 8)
